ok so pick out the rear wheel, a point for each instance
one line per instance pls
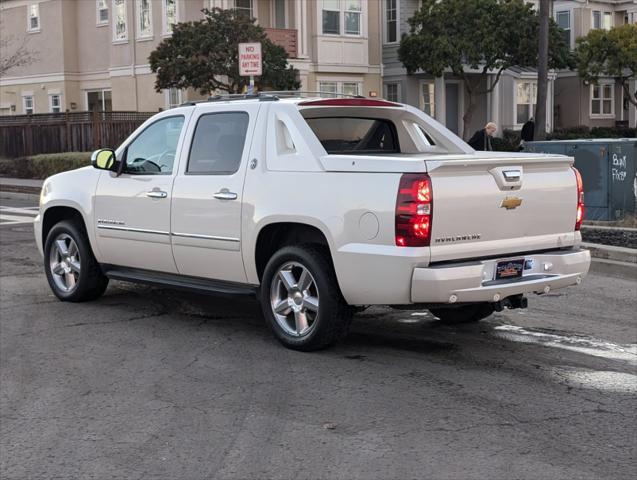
(71, 269)
(301, 300)
(463, 314)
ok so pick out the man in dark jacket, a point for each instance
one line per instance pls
(528, 130)
(481, 140)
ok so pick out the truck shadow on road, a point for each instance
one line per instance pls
(376, 328)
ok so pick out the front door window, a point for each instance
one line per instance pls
(153, 151)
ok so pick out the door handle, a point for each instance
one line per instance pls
(156, 194)
(224, 194)
(512, 175)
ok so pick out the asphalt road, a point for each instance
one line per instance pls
(153, 383)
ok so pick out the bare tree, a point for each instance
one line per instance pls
(14, 52)
(542, 72)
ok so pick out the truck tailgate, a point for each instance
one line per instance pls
(501, 206)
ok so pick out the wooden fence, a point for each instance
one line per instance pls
(24, 135)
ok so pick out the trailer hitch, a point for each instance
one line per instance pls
(513, 302)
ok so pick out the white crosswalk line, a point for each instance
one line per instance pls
(17, 216)
(14, 220)
(22, 211)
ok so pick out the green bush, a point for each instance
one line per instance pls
(510, 141)
(45, 165)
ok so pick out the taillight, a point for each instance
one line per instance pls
(414, 210)
(579, 216)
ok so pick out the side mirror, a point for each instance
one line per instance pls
(103, 159)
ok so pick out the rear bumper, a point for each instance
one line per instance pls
(473, 281)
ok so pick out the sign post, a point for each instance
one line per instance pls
(250, 62)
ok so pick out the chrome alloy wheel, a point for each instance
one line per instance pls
(294, 299)
(64, 262)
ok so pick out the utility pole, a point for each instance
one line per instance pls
(542, 71)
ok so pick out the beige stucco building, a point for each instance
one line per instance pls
(93, 54)
(581, 103)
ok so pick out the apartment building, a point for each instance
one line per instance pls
(93, 54)
(581, 103)
(511, 103)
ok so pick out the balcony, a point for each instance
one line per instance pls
(285, 37)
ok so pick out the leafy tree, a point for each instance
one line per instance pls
(204, 55)
(476, 38)
(609, 53)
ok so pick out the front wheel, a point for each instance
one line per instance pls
(71, 269)
(463, 314)
(301, 300)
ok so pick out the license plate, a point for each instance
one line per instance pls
(509, 269)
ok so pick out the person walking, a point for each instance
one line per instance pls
(481, 140)
(528, 130)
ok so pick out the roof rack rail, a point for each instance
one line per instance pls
(268, 96)
(229, 97)
(301, 93)
(261, 96)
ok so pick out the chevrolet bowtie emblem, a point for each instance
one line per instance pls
(511, 202)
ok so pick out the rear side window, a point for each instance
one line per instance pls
(217, 145)
(352, 135)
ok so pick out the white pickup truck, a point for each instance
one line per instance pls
(318, 206)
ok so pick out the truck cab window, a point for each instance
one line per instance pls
(153, 151)
(351, 136)
(217, 145)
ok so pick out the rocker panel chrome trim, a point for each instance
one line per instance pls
(136, 230)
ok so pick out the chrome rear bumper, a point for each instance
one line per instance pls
(474, 281)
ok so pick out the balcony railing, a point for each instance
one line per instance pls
(285, 37)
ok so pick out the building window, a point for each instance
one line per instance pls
(279, 14)
(328, 89)
(391, 21)
(563, 20)
(353, 17)
(342, 12)
(602, 100)
(392, 92)
(525, 101)
(351, 88)
(99, 100)
(244, 7)
(331, 17)
(120, 24)
(331, 88)
(169, 11)
(33, 18)
(608, 21)
(597, 19)
(144, 19)
(55, 103)
(102, 12)
(173, 98)
(28, 105)
(428, 98)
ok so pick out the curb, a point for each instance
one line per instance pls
(19, 189)
(608, 252)
(614, 268)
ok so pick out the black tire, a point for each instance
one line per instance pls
(90, 282)
(463, 314)
(331, 322)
